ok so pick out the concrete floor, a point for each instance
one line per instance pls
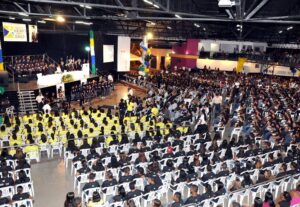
(51, 183)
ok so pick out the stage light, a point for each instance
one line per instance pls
(280, 32)
(196, 25)
(177, 16)
(42, 21)
(148, 2)
(85, 6)
(11, 18)
(60, 19)
(87, 48)
(289, 28)
(23, 14)
(84, 23)
(156, 6)
(26, 20)
(169, 27)
(149, 35)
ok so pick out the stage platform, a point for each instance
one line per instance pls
(30, 85)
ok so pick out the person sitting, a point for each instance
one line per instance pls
(93, 155)
(152, 185)
(126, 177)
(110, 180)
(221, 189)
(6, 180)
(169, 166)
(98, 166)
(282, 170)
(20, 195)
(247, 181)
(92, 183)
(177, 200)
(224, 170)
(209, 174)
(84, 168)
(269, 201)
(133, 191)
(208, 192)
(195, 197)
(121, 194)
(23, 178)
(96, 200)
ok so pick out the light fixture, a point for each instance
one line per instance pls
(42, 21)
(148, 2)
(156, 6)
(238, 25)
(238, 29)
(280, 32)
(204, 29)
(169, 27)
(26, 20)
(177, 16)
(60, 19)
(23, 14)
(85, 6)
(149, 35)
(289, 28)
(87, 48)
(11, 18)
(82, 22)
(196, 25)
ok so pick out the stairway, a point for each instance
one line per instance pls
(27, 101)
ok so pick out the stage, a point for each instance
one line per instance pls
(31, 85)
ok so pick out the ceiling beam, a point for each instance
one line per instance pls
(20, 7)
(256, 9)
(109, 6)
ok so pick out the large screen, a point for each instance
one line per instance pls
(13, 32)
(108, 53)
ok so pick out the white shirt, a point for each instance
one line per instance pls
(217, 100)
(130, 92)
(39, 98)
(110, 78)
(46, 108)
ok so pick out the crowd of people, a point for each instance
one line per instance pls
(92, 89)
(30, 65)
(175, 137)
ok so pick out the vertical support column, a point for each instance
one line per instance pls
(1, 59)
(92, 49)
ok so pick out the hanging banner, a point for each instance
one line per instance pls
(123, 64)
(240, 64)
(33, 33)
(92, 50)
(14, 32)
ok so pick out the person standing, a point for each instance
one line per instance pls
(217, 102)
(40, 99)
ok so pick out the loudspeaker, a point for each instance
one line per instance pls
(3, 78)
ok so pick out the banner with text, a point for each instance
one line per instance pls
(14, 32)
(123, 54)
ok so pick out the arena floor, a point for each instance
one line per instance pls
(50, 177)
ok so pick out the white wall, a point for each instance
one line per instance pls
(249, 67)
(228, 46)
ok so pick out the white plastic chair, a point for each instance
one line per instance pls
(79, 180)
(8, 191)
(26, 202)
(236, 132)
(88, 194)
(110, 191)
(45, 148)
(33, 156)
(27, 188)
(56, 146)
(68, 156)
(148, 198)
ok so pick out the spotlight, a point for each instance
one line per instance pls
(196, 25)
(149, 35)
(23, 14)
(11, 18)
(26, 20)
(60, 19)
(168, 27)
(177, 16)
(42, 21)
(280, 32)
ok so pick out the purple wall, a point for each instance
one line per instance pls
(190, 47)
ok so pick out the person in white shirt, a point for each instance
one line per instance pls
(130, 92)
(110, 78)
(39, 99)
(217, 102)
(47, 108)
